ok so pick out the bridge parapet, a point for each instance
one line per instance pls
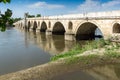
(97, 15)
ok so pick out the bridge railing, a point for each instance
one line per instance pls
(74, 18)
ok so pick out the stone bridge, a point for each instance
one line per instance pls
(75, 26)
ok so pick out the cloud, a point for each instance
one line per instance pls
(111, 3)
(45, 5)
(96, 5)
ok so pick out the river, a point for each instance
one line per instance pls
(21, 50)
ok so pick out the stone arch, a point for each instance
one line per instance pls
(87, 31)
(43, 27)
(34, 26)
(116, 28)
(29, 25)
(58, 28)
(70, 25)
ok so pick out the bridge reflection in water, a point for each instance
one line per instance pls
(103, 72)
(54, 44)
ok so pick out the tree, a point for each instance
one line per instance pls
(16, 19)
(5, 1)
(6, 17)
(38, 15)
(30, 16)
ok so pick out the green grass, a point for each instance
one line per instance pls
(110, 55)
(113, 54)
(79, 50)
(74, 51)
(113, 51)
(83, 60)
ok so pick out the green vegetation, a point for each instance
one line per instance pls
(80, 49)
(95, 59)
(38, 15)
(83, 60)
(6, 17)
(5, 1)
(31, 16)
(111, 51)
(16, 19)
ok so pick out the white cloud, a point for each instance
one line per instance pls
(96, 5)
(111, 3)
(45, 5)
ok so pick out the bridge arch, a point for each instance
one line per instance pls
(58, 28)
(43, 27)
(29, 25)
(34, 26)
(116, 28)
(88, 31)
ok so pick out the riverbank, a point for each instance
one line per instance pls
(109, 54)
(52, 69)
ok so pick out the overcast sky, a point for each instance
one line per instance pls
(59, 7)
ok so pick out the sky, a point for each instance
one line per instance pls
(58, 7)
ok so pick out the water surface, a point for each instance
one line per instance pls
(17, 54)
(20, 50)
(103, 72)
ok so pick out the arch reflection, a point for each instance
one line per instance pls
(53, 44)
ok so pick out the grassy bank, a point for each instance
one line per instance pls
(108, 50)
(80, 49)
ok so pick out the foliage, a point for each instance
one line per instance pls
(113, 54)
(6, 17)
(113, 51)
(16, 19)
(38, 15)
(31, 16)
(5, 1)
